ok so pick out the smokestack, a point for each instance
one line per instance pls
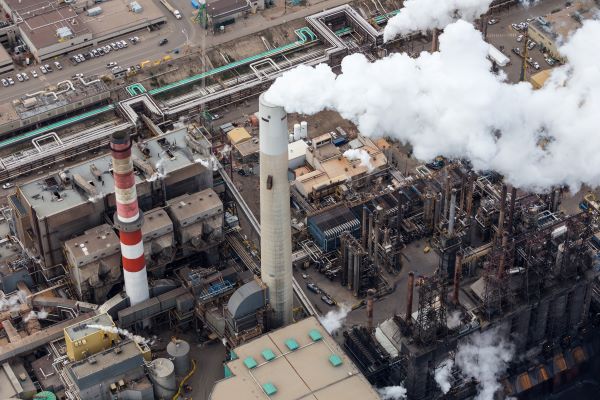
(409, 301)
(370, 296)
(370, 236)
(457, 275)
(452, 213)
(511, 218)
(129, 219)
(503, 254)
(434, 40)
(502, 211)
(276, 234)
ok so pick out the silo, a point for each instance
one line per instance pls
(163, 379)
(303, 130)
(179, 352)
(297, 132)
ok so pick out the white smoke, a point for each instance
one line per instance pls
(113, 329)
(13, 302)
(454, 319)
(484, 357)
(209, 163)
(334, 319)
(43, 314)
(450, 103)
(421, 15)
(95, 198)
(392, 393)
(443, 374)
(362, 155)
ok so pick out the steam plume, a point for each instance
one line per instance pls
(13, 302)
(360, 154)
(334, 319)
(392, 393)
(450, 103)
(420, 15)
(442, 375)
(43, 314)
(485, 357)
(113, 329)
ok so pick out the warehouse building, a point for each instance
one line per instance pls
(298, 361)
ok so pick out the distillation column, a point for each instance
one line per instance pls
(276, 234)
(129, 219)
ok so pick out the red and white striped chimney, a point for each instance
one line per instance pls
(129, 219)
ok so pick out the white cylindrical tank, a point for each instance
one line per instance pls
(276, 234)
(291, 138)
(179, 351)
(303, 130)
(163, 379)
(297, 132)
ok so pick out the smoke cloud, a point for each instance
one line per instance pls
(113, 329)
(42, 314)
(484, 357)
(392, 393)
(450, 103)
(443, 374)
(333, 320)
(420, 15)
(13, 303)
(362, 155)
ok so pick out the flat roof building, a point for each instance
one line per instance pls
(299, 361)
(553, 29)
(6, 62)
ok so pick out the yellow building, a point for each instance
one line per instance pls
(238, 135)
(538, 79)
(82, 340)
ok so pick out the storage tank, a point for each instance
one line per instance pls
(92, 12)
(303, 130)
(179, 351)
(291, 138)
(297, 132)
(163, 379)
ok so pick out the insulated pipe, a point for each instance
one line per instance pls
(469, 195)
(502, 211)
(370, 235)
(447, 195)
(511, 215)
(409, 300)
(370, 300)
(376, 243)
(457, 276)
(452, 213)
(503, 254)
(129, 219)
(437, 210)
(364, 228)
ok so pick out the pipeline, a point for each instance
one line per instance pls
(188, 376)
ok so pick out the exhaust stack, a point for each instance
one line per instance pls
(129, 219)
(276, 233)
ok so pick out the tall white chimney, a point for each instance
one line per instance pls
(276, 233)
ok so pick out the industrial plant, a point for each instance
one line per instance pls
(242, 233)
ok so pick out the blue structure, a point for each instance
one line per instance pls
(326, 228)
(195, 4)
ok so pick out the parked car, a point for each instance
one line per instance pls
(10, 81)
(313, 288)
(7, 185)
(492, 21)
(114, 46)
(111, 64)
(57, 64)
(124, 43)
(327, 300)
(43, 69)
(25, 76)
(520, 38)
(4, 82)
(531, 44)
(20, 78)
(33, 73)
(163, 41)
(48, 67)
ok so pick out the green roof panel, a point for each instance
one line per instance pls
(335, 360)
(291, 344)
(315, 335)
(250, 363)
(268, 354)
(269, 389)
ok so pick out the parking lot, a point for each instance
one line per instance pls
(504, 36)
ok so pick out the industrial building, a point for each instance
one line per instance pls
(51, 29)
(6, 62)
(221, 13)
(300, 360)
(550, 30)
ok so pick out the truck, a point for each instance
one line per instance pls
(171, 9)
